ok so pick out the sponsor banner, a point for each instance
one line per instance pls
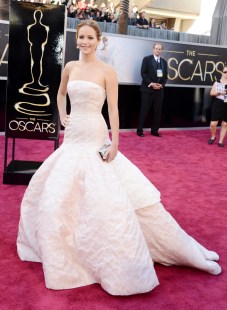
(36, 36)
(189, 65)
(4, 46)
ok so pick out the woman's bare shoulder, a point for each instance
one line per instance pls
(71, 64)
(108, 70)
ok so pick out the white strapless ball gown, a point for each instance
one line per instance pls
(88, 221)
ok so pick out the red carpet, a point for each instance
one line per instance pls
(191, 176)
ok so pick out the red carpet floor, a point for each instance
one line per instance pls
(192, 177)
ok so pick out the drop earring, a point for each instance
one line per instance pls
(77, 47)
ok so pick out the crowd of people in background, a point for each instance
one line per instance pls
(105, 12)
(82, 9)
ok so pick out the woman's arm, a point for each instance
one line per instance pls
(214, 92)
(61, 96)
(112, 100)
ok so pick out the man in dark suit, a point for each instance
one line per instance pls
(154, 77)
(142, 22)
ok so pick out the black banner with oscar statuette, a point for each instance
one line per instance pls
(36, 36)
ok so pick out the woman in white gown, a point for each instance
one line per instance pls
(104, 54)
(89, 220)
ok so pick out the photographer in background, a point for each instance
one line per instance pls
(219, 108)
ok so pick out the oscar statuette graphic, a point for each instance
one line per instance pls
(35, 88)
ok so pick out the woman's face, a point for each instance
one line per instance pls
(105, 42)
(87, 40)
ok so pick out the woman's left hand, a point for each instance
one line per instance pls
(111, 153)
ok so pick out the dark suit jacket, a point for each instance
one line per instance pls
(149, 73)
(142, 21)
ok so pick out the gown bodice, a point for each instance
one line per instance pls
(87, 125)
(85, 97)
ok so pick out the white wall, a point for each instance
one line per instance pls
(186, 24)
(202, 24)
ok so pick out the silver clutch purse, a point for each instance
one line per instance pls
(104, 149)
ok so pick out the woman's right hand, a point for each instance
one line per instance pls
(111, 153)
(65, 121)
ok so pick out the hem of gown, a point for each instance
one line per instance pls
(69, 287)
(113, 293)
(59, 287)
(85, 283)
